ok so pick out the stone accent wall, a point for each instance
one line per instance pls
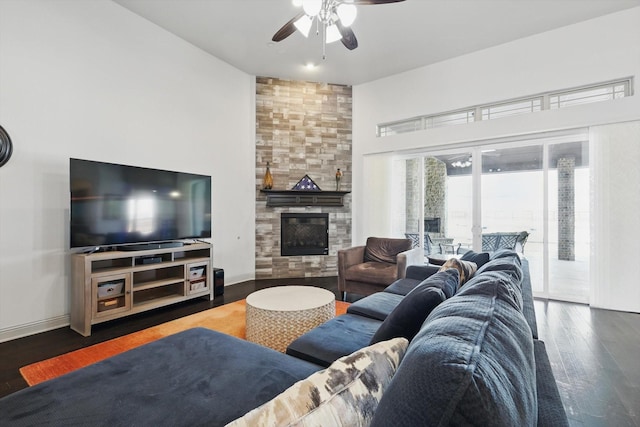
(413, 189)
(435, 197)
(566, 209)
(302, 128)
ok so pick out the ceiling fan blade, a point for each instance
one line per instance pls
(287, 29)
(366, 2)
(348, 38)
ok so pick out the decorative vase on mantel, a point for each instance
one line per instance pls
(267, 181)
(338, 179)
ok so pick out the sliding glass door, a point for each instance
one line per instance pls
(435, 193)
(513, 203)
(529, 195)
(569, 221)
(538, 192)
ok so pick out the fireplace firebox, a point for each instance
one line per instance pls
(432, 225)
(304, 234)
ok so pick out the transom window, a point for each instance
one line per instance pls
(496, 111)
(605, 92)
(599, 92)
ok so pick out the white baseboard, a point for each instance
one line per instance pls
(20, 331)
(238, 279)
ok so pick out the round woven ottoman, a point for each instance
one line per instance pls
(277, 316)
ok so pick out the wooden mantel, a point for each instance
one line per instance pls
(277, 198)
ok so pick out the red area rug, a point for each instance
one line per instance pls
(229, 319)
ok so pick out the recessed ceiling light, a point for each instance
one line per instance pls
(310, 65)
(297, 3)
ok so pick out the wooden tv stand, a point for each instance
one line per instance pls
(114, 284)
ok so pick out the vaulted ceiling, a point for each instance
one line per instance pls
(392, 38)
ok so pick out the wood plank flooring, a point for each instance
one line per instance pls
(23, 351)
(595, 354)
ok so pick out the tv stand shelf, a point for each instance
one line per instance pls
(115, 284)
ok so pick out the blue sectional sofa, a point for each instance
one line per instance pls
(474, 360)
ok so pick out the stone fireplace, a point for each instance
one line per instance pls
(302, 128)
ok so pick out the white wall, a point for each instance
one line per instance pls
(89, 79)
(616, 205)
(378, 220)
(593, 51)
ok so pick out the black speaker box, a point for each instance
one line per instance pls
(218, 282)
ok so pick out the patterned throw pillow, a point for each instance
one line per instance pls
(345, 394)
(465, 268)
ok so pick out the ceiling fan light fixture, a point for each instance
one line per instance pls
(347, 13)
(333, 34)
(332, 17)
(304, 25)
(312, 7)
(462, 164)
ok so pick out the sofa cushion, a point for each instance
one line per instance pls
(421, 272)
(188, 378)
(376, 306)
(472, 363)
(402, 286)
(382, 249)
(509, 261)
(466, 269)
(478, 258)
(338, 337)
(507, 265)
(406, 319)
(345, 394)
(505, 253)
(380, 273)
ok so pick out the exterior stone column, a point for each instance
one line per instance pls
(413, 188)
(566, 209)
(436, 192)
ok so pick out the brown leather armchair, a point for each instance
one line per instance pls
(364, 270)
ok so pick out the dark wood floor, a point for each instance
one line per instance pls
(595, 353)
(23, 351)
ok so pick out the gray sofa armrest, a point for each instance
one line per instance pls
(413, 256)
(551, 411)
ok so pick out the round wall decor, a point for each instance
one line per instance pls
(6, 148)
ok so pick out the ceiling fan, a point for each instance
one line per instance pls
(334, 18)
(464, 160)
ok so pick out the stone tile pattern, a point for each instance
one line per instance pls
(435, 193)
(413, 187)
(435, 198)
(302, 128)
(566, 209)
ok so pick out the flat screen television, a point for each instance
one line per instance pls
(128, 206)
